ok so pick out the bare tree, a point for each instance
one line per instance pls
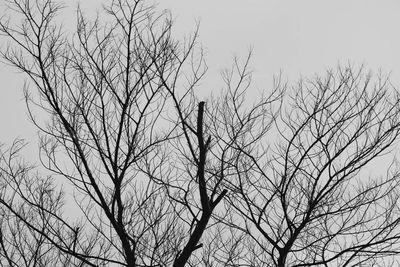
(142, 173)
(119, 108)
(305, 198)
(31, 211)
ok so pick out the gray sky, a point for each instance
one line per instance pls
(304, 36)
(298, 37)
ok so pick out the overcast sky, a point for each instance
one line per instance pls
(299, 37)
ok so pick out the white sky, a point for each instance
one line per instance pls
(299, 37)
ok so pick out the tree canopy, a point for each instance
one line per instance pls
(140, 171)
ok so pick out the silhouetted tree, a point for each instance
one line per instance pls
(109, 90)
(304, 197)
(143, 173)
